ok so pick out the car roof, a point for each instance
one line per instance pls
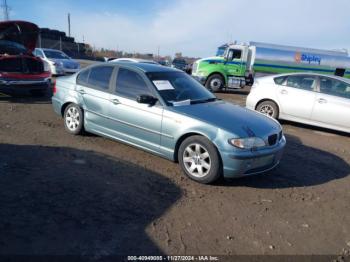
(137, 60)
(310, 74)
(146, 67)
(49, 49)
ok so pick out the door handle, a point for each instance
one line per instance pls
(81, 91)
(284, 92)
(322, 100)
(115, 101)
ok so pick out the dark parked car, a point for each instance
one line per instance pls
(20, 71)
(179, 63)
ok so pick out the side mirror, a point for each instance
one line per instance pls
(146, 99)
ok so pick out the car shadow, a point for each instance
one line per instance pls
(64, 201)
(300, 166)
(314, 128)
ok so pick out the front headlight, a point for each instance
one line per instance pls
(46, 66)
(247, 143)
(56, 63)
(202, 73)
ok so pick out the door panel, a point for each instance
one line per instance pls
(134, 122)
(96, 104)
(233, 63)
(93, 85)
(296, 96)
(139, 124)
(332, 110)
(333, 103)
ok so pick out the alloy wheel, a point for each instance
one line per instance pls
(267, 110)
(197, 160)
(72, 119)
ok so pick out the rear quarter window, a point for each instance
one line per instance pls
(279, 80)
(82, 78)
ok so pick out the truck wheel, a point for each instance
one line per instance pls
(200, 160)
(268, 108)
(215, 83)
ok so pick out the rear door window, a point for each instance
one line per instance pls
(100, 77)
(334, 87)
(279, 80)
(302, 82)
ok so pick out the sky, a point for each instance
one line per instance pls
(193, 27)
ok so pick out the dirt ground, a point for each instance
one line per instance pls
(88, 195)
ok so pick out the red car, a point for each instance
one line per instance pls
(20, 71)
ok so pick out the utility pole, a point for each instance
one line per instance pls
(5, 9)
(69, 24)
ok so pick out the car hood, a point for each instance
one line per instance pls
(232, 118)
(21, 32)
(211, 59)
(65, 62)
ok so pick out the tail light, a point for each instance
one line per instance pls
(54, 88)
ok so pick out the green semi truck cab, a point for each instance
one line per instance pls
(231, 70)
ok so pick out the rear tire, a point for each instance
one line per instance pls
(215, 83)
(200, 160)
(268, 108)
(73, 119)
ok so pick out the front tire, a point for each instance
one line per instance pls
(215, 83)
(200, 160)
(73, 119)
(268, 108)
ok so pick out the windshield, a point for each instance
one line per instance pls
(55, 54)
(221, 51)
(177, 88)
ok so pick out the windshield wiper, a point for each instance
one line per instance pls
(199, 101)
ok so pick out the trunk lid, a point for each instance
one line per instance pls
(19, 32)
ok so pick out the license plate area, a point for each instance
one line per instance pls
(262, 161)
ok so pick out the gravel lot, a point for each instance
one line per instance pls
(89, 195)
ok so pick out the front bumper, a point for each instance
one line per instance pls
(55, 70)
(247, 163)
(70, 70)
(201, 79)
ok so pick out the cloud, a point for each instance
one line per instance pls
(197, 27)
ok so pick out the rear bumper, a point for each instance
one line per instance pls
(252, 162)
(57, 105)
(24, 86)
